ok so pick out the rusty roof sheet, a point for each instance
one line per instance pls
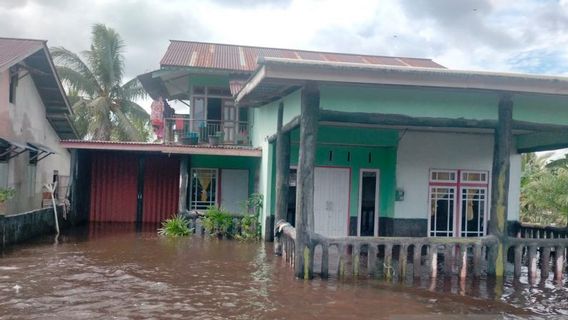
(244, 58)
(15, 50)
(229, 150)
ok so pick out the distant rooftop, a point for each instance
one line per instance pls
(239, 58)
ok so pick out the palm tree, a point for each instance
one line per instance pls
(104, 107)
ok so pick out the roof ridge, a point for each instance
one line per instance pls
(23, 39)
(303, 50)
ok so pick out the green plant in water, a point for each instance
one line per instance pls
(218, 222)
(250, 226)
(176, 226)
(6, 194)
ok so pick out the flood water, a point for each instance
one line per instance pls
(110, 271)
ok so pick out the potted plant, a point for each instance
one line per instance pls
(242, 138)
(190, 138)
(217, 138)
(5, 195)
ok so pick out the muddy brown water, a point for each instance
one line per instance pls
(114, 272)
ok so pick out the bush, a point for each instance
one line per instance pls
(176, 226)
(218, 222)
(250, 226)
(6, 194)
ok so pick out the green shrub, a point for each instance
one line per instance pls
(176, 226)
(250, 226)
(6, 194)
(218, 222)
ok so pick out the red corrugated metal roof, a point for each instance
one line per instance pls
(14, 50)
(244, 58)
(229, 150)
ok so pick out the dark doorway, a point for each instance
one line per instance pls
(369, 183)
(214, 109)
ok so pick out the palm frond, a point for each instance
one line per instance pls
(132, 90)
(106, 58)
(68, 59)
(77, 81)
(125, 124)
(133, 109)
(101, 123)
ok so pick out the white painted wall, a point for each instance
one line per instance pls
(418, 152)
(25, 121)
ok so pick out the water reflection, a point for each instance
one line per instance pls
(113, 271)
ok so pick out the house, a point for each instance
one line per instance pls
(34, 116)
(355, 145)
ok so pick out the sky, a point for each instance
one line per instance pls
(528, 36)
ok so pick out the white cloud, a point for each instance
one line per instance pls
(468, 34)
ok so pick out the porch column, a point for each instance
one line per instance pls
(282, 174)
(500, 186)
(305, 179)
(183, 183)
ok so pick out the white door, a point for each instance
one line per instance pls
(234, 189)
(331, 201)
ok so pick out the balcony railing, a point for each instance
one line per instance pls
(189, 131)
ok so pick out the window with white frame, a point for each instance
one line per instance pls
(204, 188)
(457, 203)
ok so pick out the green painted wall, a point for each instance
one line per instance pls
(209, 80)
(544, 109)
(265, 118)
(227, 162)
(419, 102)
(379, 144)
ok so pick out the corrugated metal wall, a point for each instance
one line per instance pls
(161, 188)
(114, 187)
(114, 181)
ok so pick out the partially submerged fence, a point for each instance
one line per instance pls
(399, 258)
(530, 231)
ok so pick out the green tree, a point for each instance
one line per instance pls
(104, 106)
(544, 190)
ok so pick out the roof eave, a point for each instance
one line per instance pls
(281, 70)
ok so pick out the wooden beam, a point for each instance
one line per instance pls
(282, 174)
(287, 128)
(500, 186)
(310, 100)
(404, 120)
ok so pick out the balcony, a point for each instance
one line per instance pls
(182, 130)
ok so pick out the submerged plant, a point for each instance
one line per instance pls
(177, 226)
(218, 222)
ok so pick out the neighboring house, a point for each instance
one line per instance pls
(34, 116)
(405, 147)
